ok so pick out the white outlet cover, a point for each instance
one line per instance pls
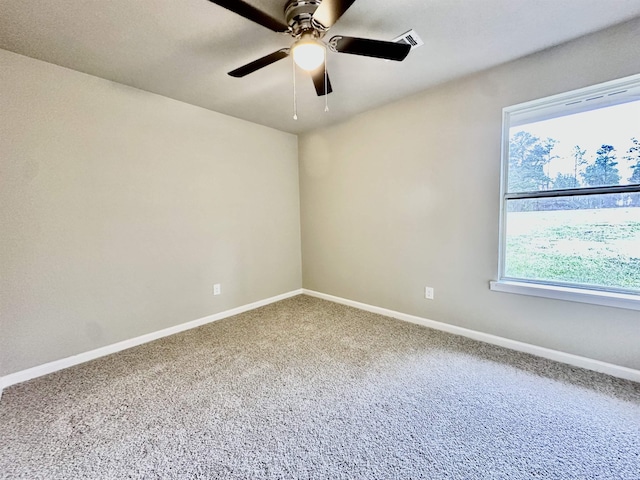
(428, 293)
(216, 289)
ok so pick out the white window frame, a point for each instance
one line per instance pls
(597, 96)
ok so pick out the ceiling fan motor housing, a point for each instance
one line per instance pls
(299, 17)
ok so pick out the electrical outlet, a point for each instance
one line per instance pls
(216, 289)
(428, 293)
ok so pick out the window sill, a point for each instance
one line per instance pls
(572, 294)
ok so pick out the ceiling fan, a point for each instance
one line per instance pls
(308, 21)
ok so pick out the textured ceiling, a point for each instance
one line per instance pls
(183, 49)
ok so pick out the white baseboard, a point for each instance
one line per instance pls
(40, 370)
(568, 358)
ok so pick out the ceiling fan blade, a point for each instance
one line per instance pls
(260, 63)
(330, 11)
(318, 77)
(370, 48)
(251, 13)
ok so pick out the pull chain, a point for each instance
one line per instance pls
(295, 102)
(326, 83)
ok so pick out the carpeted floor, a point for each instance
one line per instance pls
(308, 389)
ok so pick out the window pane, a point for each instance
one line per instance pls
(591, 240)
(587, 149)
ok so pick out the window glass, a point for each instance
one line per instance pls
(587, 149)
(571, 193)
(592, 240)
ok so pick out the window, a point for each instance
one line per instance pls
(570, 220)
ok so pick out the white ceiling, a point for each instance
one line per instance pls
(183, 49)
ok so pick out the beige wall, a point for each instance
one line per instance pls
(408, 195)
(120, 209)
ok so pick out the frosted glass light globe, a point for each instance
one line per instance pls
(308, 54)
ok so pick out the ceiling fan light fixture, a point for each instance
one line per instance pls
(308, 53)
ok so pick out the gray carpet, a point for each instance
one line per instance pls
(309, 389)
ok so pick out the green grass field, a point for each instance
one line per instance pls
(599, 247)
